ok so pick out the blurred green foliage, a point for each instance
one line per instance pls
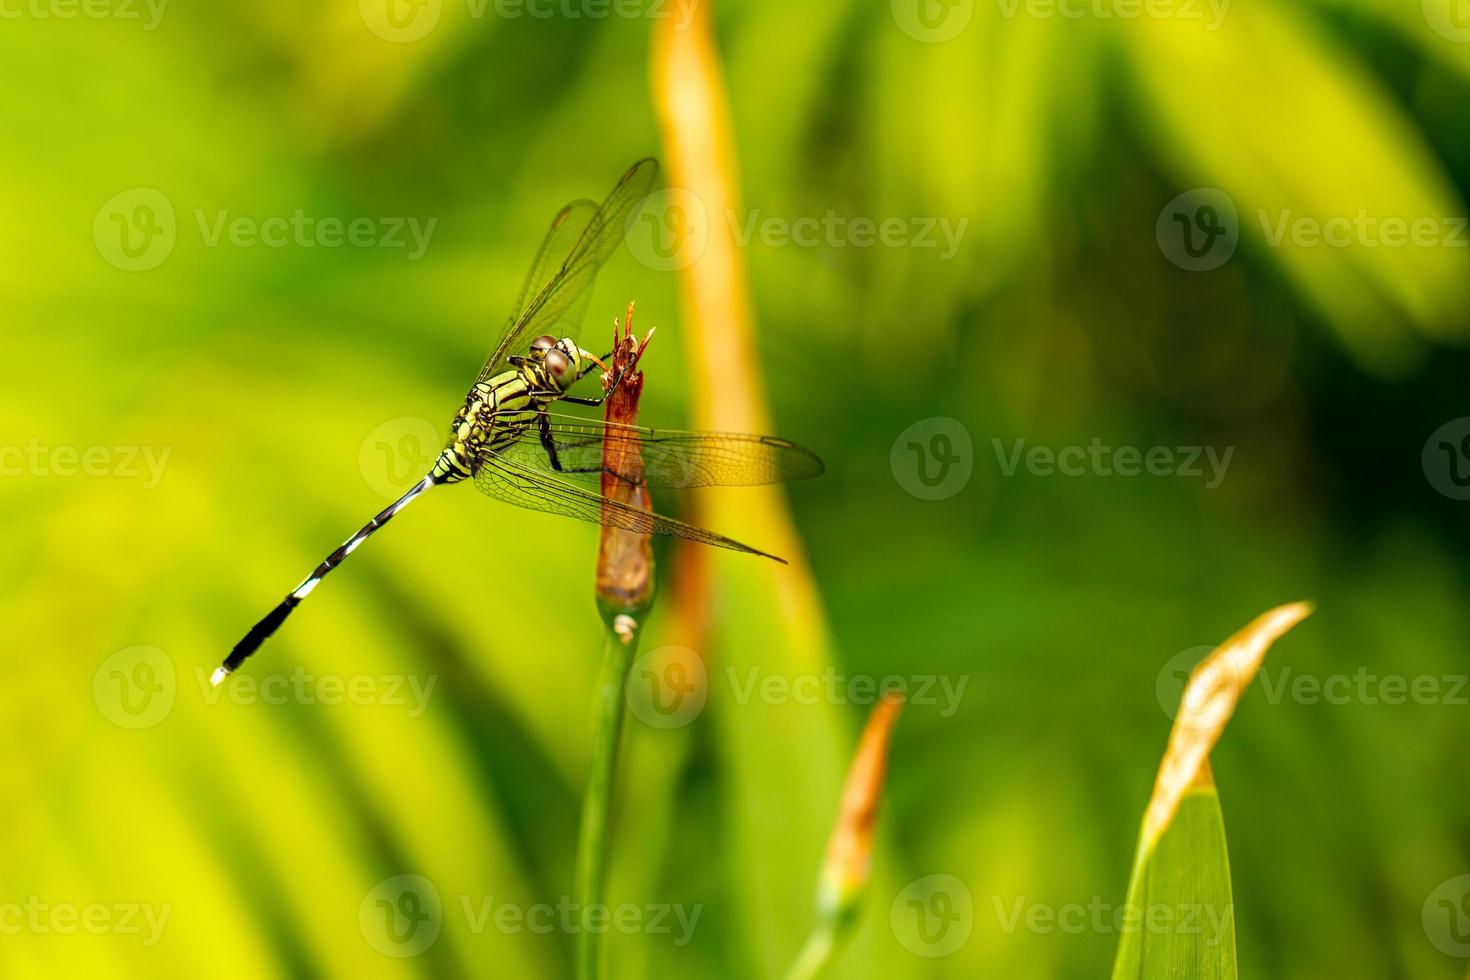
(264, 829)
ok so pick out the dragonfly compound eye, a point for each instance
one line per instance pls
(558, 364)
(543, 343)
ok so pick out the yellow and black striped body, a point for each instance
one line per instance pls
(495, 412)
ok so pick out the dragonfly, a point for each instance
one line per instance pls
(507, 440)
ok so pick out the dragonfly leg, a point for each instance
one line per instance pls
(596, 402)
(549, 444)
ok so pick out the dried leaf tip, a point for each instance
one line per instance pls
(849, 857)
(624, 557)
(1210, 696)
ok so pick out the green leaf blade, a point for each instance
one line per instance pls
(1179, 922)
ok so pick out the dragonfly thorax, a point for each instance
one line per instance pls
(499, 408)
(494, 412)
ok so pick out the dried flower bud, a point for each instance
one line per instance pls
(624, 558)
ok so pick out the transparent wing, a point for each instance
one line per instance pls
(565, 231)
(672, 459)
(559, 286)
(506, 477)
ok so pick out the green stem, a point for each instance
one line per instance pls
(815, 955)
(592, 850)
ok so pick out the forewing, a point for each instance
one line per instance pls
(557, 305)
(506, 477)
(565, 231)
(672, 459)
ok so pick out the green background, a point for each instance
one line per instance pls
(268, 374)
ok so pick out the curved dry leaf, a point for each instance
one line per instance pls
(1209, 701)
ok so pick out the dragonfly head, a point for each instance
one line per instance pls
(562, 361)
